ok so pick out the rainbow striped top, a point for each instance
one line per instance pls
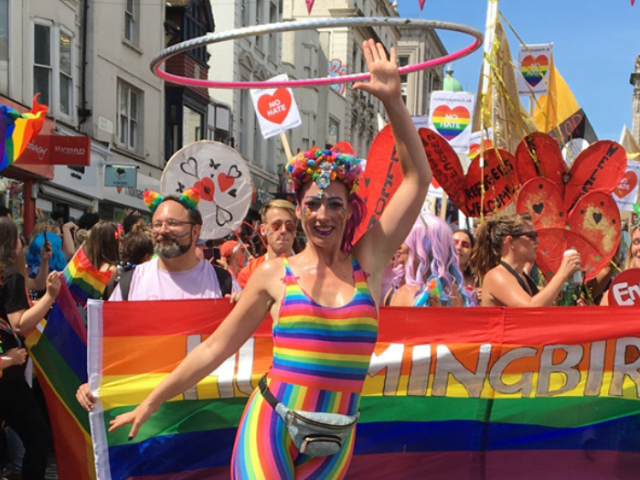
(321, 347)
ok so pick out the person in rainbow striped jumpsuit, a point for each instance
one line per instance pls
(325, 306)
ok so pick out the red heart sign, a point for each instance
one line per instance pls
(225, 182)
(499, 180)
(627, 184)
(599, 168)
(592, 227)
(275, 108)
(206, 188)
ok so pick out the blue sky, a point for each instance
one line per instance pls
(596, 43)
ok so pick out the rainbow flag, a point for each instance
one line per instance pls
(83, 280)
(59, 352)
(18, 129)
(472, 393)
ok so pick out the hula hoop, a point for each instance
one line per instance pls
(258, 30)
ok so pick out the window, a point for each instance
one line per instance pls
(244, 121)
(4, 47)
(131, 20)
(42, 63)
(191, 126)
(404, 85)
(53, 67)
(334, 131)
(129, 108)
(273, 39)
(259, 8)
(195, 27)
(245, 14)
(66, 73)
(257, 144)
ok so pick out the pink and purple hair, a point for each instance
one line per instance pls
(431, 247)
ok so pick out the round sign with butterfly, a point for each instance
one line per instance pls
(222, 178)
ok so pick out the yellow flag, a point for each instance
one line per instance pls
(558, 105)
(629, 144)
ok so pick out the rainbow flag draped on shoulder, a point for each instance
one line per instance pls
(17, 129)
(476, 393)
(59, 352)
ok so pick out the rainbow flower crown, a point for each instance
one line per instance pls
(189, 198)
(324, 167)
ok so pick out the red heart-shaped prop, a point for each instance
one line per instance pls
(592, 227)
(275, 108)
(599, 168)
(206, 188)
(500, 181)
(627, 184)
(225, 182)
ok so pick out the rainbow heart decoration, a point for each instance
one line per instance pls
(450, 122)
(534, 69)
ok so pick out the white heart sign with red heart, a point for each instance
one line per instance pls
(626, 192)
(276, 109)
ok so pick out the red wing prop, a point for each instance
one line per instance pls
(592, 227)
(538, 155)
(381, 178)
(465, 192)
(597, 169)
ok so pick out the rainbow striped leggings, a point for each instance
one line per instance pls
(263, 449)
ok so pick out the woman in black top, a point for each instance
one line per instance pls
(18, 406)
(503, 248)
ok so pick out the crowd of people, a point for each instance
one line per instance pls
(406, 260)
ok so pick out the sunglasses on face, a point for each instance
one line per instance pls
(288, 225)
(532, 235)
(462, 243)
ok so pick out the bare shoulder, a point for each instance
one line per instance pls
(269, 270)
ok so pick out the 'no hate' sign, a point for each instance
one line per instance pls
(276, 109)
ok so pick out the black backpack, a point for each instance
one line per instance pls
(224, 278)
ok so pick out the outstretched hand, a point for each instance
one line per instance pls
(385, 80)
(136, 418)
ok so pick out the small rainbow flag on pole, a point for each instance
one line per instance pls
(83, 279)
(18, 129)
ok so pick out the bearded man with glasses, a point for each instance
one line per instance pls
(279, 225)
(176, 272)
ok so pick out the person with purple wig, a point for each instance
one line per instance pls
(428, 273)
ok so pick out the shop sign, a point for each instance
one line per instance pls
(121, 176)
(57, 150)
(132, 196)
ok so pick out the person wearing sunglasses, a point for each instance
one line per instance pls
(278, 227)
(504, 248)
(464, 241)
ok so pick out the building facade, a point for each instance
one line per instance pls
(94, 76)
(249, 59)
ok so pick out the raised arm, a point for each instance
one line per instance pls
(234, 331)
(377, 246)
